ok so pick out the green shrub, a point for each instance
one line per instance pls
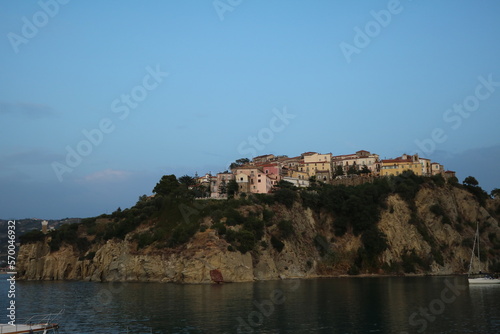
(263, 199)
(374, 241)
(322, 245)
(32, 237)
(277, 244)
(408, 264)
(220, 228)
(267, 215)
(66, 233)
(439, 180)
(310, 199)
(492, 236)
(438, 256)
(478, 193)
(468, 242)
(144, 239)
(82, 244)
(286, 228)
(285, 196)
(437, 210)
(411, 260)
(254, 225)
(234, 217)
(353, 270)
(182, 233)
(340, 225)
(246, 240)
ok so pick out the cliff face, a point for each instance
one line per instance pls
(413, 234)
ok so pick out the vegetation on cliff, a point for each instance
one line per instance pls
(257, 223)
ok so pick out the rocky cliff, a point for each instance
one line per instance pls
(431, 234)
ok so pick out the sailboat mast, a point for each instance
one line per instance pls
(476, 239)
(478, 253)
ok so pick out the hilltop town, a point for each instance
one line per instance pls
(262, 173)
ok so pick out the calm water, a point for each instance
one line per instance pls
(344, 305)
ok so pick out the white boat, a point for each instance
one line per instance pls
(37, 324)
(479, 278)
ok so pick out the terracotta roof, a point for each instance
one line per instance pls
(398, 160)
(249, 167)
(263, 156)
(317, 162)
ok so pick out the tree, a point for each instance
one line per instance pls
(352, 170)
(223, 188)
(365, 170)
(167, 185)
(285, 196)
(471, 184)
(470, 181)
(339, 171)
(452, 180)
(312, 181)
(232, 188)
(187, 180)
(239, 162)
(282, 184)
(495, 193)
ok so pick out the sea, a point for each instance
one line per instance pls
(330, 305)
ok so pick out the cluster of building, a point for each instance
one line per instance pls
(263, 172)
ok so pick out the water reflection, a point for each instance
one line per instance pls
(340, 305)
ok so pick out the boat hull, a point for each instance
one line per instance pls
(483, 280)
(28, 329)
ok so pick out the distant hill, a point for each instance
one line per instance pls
(26, 225)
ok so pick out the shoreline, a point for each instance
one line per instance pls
(250, 281)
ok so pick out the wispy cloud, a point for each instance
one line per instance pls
(107, 175)
(24, 109)
(35, 156)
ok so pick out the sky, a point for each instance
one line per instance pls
(99, 99)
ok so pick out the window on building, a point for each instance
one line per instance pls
(258, 181)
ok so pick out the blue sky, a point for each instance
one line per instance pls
(182, 86)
